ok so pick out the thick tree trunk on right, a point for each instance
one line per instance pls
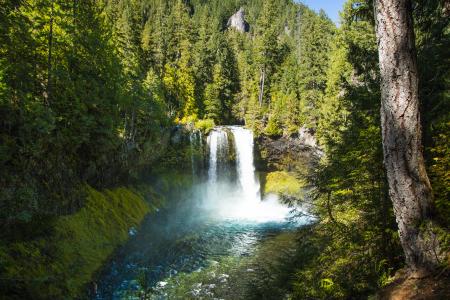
(409, 186)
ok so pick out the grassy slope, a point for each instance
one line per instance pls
(59, 265)
(283, 183)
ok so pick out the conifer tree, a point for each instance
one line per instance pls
(409, 186)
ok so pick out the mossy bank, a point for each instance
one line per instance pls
(60, 263)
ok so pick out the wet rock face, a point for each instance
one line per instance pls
(307, 137)
(284, 153)
(237, 21)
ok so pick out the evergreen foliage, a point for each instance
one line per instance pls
(90, 91)
(92, 86)
(349, 187)
(52, 266)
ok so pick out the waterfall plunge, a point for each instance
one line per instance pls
(245, 165)
(218, 148)
(238, 198)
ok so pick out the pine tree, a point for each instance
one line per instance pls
(315, 35)
(409, 186)
(266, 48)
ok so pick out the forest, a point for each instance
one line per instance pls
(116, 115)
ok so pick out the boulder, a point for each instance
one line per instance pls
(307, 137)
(237, 21)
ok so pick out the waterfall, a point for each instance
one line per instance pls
(245, 164)
(237, 198)
(218, 149)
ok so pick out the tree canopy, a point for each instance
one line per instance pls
(91, 90)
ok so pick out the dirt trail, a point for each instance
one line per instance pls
(417, 287)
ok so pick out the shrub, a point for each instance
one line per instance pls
(205, 125)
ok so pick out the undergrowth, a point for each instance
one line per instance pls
(60, 264)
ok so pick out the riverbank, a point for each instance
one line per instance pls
(59, 262)
(221, 221)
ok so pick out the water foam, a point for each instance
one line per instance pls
(239, 199)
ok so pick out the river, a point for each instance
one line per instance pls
(202, 248)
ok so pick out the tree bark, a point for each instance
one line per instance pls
(409, 186)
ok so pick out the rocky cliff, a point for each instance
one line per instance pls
(237, 21)
(286, 153)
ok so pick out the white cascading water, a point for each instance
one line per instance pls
(245, 165)
(239, 200)
(218, 144)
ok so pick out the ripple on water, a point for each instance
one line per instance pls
(224, 217)
(162, 252)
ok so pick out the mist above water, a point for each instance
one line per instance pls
(235, 194)
(222, 216)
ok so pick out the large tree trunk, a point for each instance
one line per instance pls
(409, 186)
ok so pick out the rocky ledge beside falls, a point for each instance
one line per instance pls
(288, 153)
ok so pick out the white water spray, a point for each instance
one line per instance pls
(218, 146)
(241, 199)
(245, 166)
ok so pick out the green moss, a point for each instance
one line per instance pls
(172, 183)
(58, 266)
(283, 183)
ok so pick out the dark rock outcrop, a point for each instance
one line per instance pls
(237, 21)
(284, 153)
